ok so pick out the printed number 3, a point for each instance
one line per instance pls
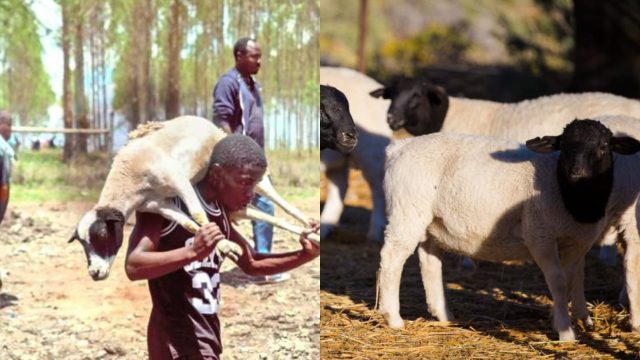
(208, 305)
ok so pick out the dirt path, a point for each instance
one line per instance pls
(51, 309)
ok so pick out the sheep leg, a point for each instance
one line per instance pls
(545, 254)
(252, 213)
(632, 280)
(578, 302)
(608, 249)
(265, 188)
(224, 247)
(190, 198)
(337, 182)
(374, 175)
(431, 269)
(400, 242)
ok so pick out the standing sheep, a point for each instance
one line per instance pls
(423, 108)
(337, 130)
(373, 137)
(493, 200)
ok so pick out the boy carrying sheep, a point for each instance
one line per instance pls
(183, 270)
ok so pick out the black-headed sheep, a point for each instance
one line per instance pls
(337, 130)
(494, 200)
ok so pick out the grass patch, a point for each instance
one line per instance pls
(40, 176)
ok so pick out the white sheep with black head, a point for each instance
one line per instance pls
(494, 200)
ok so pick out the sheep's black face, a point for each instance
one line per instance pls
(585, 165)
(337, 130)
(585, 150)
(101, 233)
(416, 105)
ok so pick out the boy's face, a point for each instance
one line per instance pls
(235, 186)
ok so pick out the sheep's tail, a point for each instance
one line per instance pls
(145, 129)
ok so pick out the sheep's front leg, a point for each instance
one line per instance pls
(337, 181)
(186, 192)
(401, 240)
(575, 274)
(224, 247)
(545, 253)
(170, 211)
(431, 268)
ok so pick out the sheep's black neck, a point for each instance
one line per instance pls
(586, 200)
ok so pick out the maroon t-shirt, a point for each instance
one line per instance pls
(184, 318)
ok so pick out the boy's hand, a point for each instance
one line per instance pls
(309, 247)
(206, 240)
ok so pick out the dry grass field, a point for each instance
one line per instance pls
(502, 310)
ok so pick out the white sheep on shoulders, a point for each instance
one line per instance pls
(162, 160)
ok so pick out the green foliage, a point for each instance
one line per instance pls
(541, 39)
(26, 90)
(437, 43)
(294, 174)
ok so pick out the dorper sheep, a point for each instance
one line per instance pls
(373, 137)
(337, 130)
(162, 160)
(424, 108)
(494, 200)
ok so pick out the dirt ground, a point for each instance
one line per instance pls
(502, 310)
(51, 309)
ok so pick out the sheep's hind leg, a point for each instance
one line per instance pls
(431, 269)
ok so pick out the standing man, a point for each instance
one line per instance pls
(6, 159)
(183, 270)
(237, 108)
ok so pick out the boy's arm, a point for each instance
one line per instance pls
(143, 261)
(253, 263)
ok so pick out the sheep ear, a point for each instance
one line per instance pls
(436, 94)
(544, 145)
(380, 93)
(625, 145)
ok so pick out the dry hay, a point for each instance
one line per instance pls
(502, 310)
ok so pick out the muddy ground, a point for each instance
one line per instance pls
(51, 309)
(502, 310)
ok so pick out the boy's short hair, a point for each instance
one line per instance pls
(238, 150)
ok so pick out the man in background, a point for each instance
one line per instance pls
(237, 108)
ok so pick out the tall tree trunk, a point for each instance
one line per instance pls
(172, 101)
(66, 82)
(362, 33)
(82, 121)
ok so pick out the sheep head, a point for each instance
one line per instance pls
(100, 232)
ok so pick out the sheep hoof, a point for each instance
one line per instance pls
(229, 249)
(201, 218)
(395, 322)
(567, 335)
(191, 227)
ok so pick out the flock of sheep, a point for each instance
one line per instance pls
(474, 187)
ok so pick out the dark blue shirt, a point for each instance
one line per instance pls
(237, 102)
